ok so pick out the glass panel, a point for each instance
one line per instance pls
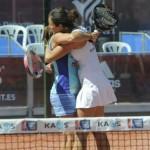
(130, 71)
(134, 15)
(129, 76)
(14, 83)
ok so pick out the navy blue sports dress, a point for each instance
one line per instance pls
(65, 86)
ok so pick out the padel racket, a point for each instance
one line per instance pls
(104, 19)
(33, 64)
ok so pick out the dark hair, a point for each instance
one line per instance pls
(47, 34)
(73, 14)
(64, 17)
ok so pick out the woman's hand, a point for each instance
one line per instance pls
(94, 36)
(48, 68)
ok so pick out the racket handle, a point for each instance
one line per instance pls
(47, 69)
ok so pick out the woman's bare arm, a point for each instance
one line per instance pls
(64, 42)
(60, 51)
(76, 36)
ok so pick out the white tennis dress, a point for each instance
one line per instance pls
(96, 89)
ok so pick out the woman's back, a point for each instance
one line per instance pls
(89, 63)
(96, 89)
(66, 77)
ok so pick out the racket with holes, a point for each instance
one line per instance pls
(104, 18)
(33, 64)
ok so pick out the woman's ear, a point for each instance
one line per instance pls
(61, 27)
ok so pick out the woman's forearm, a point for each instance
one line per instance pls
(65, 38)
(60, 51)
(76, 36)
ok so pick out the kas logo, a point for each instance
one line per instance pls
(106, 70)
(85, 8)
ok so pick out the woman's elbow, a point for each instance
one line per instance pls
(47, 59)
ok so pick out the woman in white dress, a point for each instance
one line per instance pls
(96, 90)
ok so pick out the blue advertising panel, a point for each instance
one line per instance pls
(139, 41)
(9, 47)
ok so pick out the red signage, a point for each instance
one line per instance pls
(13, 83)
(129, 76)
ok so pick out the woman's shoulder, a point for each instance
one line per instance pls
(56, 35)
(80, 28)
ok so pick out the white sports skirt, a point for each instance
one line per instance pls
(92, 95)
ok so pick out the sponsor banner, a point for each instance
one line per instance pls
(9, 126)
(135, 123)
(13, 82)
(129, 75)
(29, 125)
(93, 124)
(57, 125)
(107, 124)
